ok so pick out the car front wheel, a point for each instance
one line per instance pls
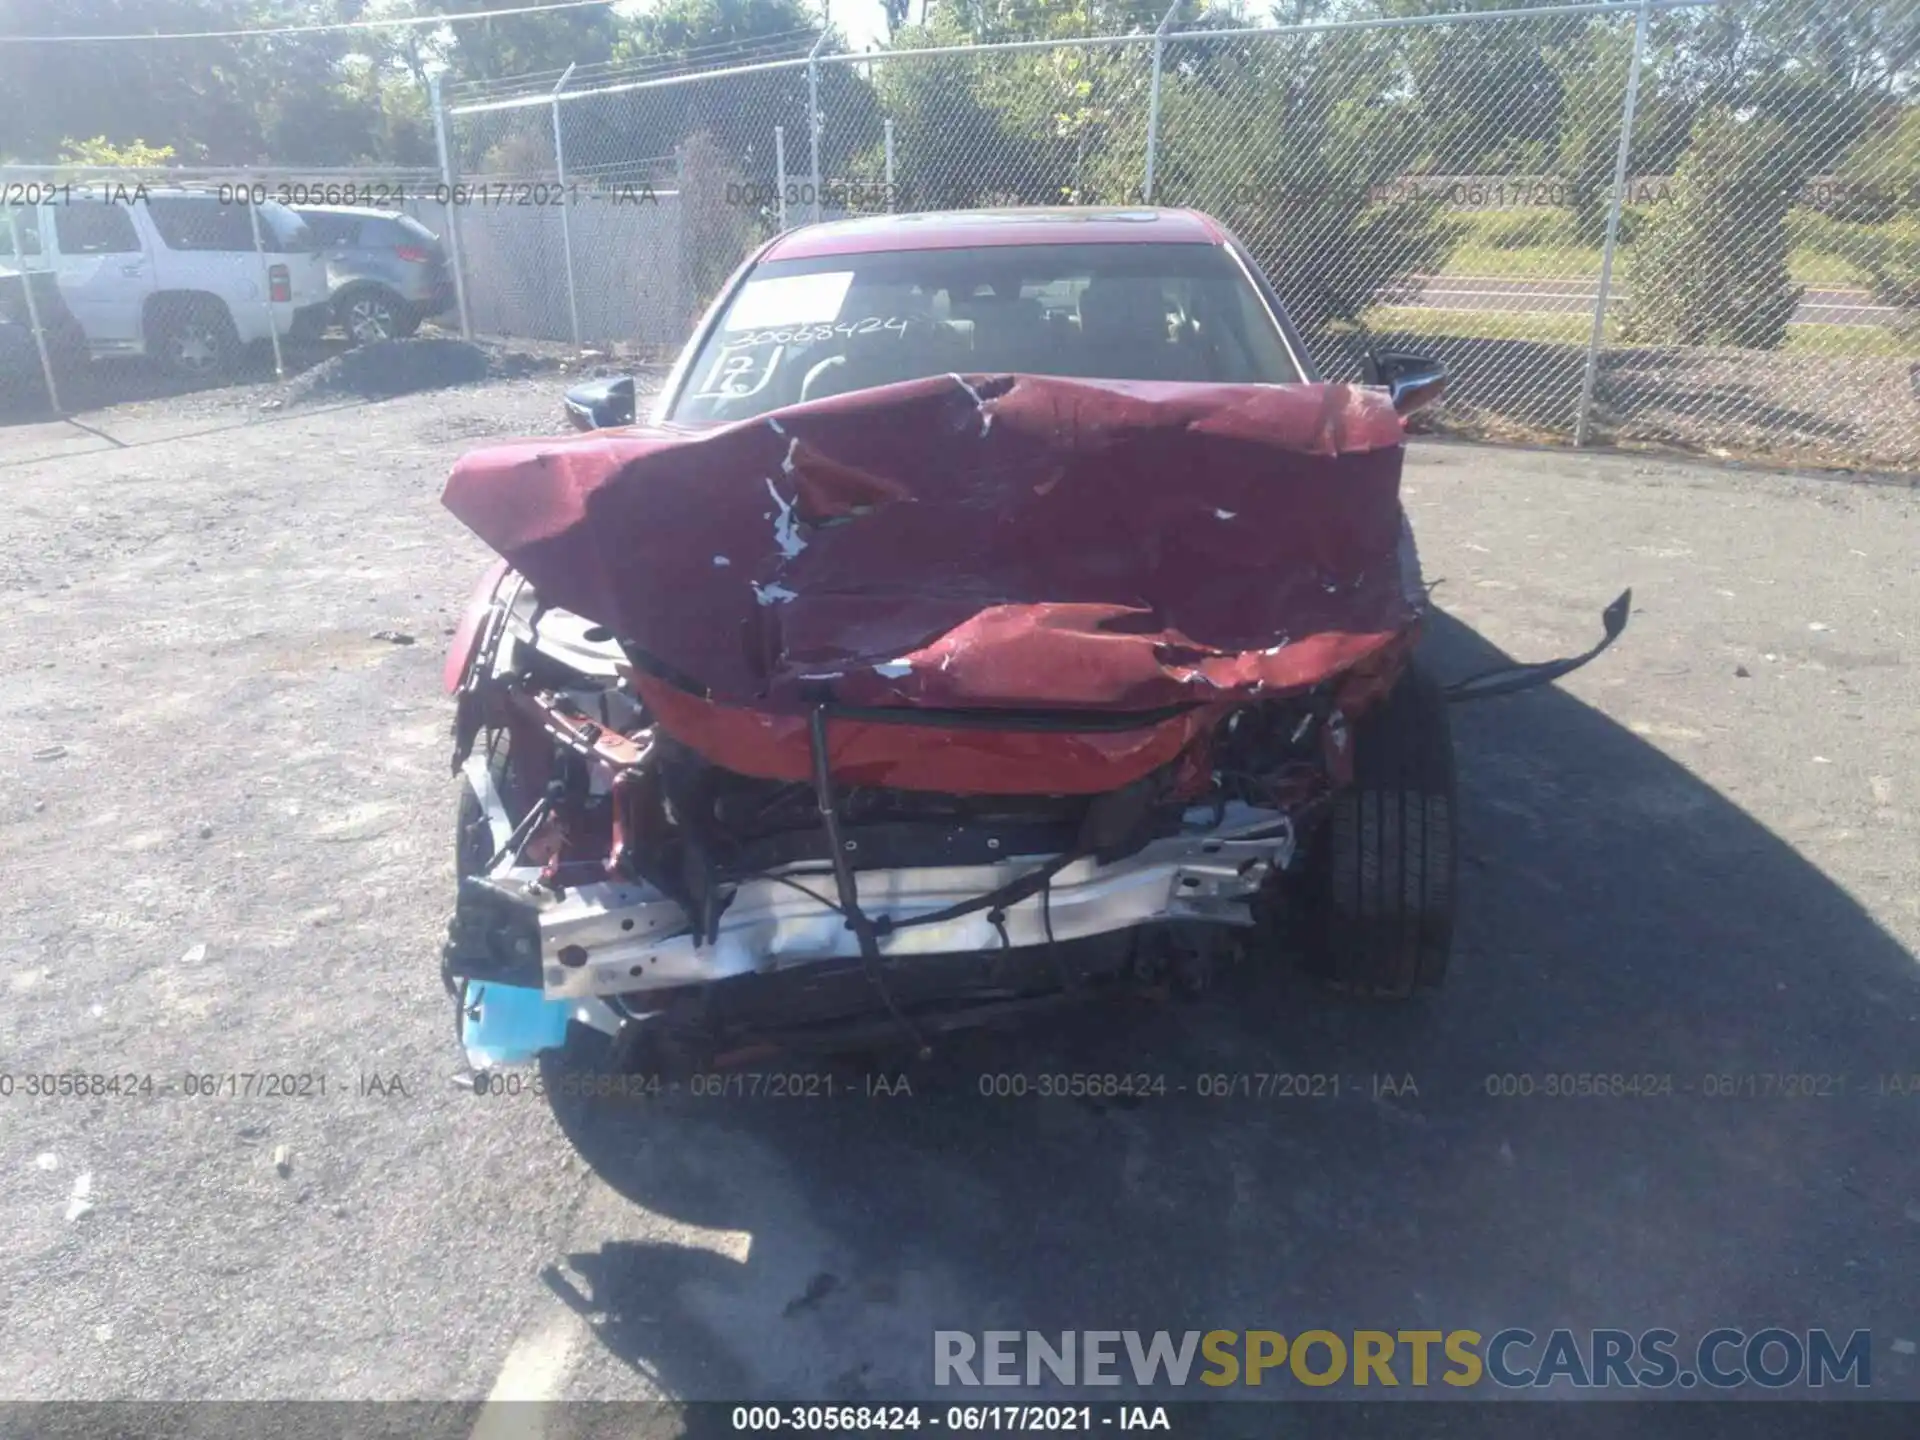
(370, 315)
(197, 341)
(1381, 875)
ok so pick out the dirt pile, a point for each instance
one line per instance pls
(387, 368)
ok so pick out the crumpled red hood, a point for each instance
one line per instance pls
(977, 541)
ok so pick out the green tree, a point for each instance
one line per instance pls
(1035, 127)
(718, 232)
(199, 96)
(1875, 224)
(972, 129)
(633, 135)
(99, 151)
(1490, 98)
(1593, 75)
(686, 27)
(400, 123)
(1823, 69)
(1880, 176)
(520, 47)
(987, 22)
(1292, 143)
(1709, 266)
(303, 99)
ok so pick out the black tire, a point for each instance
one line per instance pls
(194, 339)
(1381, 876)
(370, 313)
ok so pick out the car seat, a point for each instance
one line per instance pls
(1124, 331)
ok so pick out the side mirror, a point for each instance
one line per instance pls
(1412, 380)
(601, 404)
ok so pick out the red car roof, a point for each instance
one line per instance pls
(966, 229)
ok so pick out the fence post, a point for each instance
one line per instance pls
(566, 208)
(813, 117)
(33, 311)
(1153, 100)
(889, 125)
(1585, 413)
(780, 172)
(266, 289)
(451, 210)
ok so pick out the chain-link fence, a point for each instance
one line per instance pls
(1690, 233)
(1616, 222)
(1672, 222)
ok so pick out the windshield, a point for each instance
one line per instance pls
(806, 329)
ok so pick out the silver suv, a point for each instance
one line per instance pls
(186, 276)
(386, 272)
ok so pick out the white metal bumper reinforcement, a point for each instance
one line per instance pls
(608, 939)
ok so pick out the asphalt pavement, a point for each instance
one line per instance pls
(226, 831)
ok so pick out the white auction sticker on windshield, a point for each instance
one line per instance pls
(790, 300)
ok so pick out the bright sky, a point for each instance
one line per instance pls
(863, 22)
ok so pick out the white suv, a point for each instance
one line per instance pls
(175, 274)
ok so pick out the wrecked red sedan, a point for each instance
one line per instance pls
(994, 605)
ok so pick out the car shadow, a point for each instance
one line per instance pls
(1761, 402)
(1659, 393)
(1695, 400)
(1494, 386)
(1619, 917)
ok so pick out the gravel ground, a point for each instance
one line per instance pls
(1696, 858)
(1861, 411)
(322, 370)
(1846, 412)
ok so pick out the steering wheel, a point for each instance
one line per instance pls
(816, 373)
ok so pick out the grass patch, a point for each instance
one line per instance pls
(1539, 243)
(1849, 340)
(1483, 324)
(1808, 340)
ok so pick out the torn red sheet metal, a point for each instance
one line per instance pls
(978, 542)
(773, 746)
(467, 634)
